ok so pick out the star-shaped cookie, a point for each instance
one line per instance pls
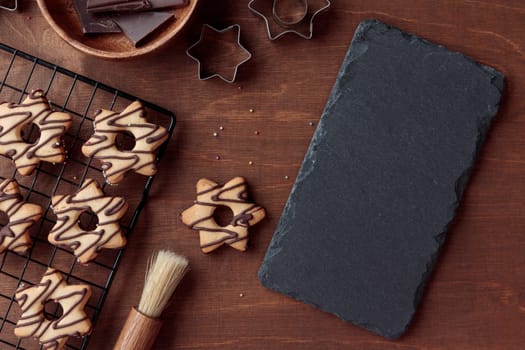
(52, 125)
(115, 162)
(53, 334)
(21, 215)
(233, 195)
(304, 29)
(67, 230)
(219, 53)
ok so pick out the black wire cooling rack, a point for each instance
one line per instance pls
(79, 96)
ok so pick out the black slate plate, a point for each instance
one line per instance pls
(382, 178)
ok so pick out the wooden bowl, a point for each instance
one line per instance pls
(63, 18)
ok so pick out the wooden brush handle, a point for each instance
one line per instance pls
(139, 332)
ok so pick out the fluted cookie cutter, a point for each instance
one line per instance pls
(9, 5)
(279, 22)
(196, 52)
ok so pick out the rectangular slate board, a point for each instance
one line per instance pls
(382, 178)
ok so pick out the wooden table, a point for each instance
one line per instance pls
(476, 298)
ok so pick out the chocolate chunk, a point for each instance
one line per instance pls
(138, 26)
(382, 179)
(94, 23)
(94, 6)
(158, 4)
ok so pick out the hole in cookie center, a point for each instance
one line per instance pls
(53, 311)
(125, 141)
(223, 215)
(30, 133)
(88, 221)
(4, 219)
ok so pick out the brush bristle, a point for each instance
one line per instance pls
(165, 271)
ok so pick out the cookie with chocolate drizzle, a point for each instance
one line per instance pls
(53, 334)
(116, 162)
(34, 110)
(69, 232)
(21, 216)
(200, 216)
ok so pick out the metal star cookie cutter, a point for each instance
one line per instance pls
(204, 72)
(303, 27)
(13, 7)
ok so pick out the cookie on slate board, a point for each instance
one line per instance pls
(382, 178)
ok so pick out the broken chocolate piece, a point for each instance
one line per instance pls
(95, 6)
(138, 26)
(159, 4)
(382, 179)
(94, 23)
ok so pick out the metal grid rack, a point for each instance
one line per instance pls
(79, 96)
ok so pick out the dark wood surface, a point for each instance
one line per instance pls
(476, 297)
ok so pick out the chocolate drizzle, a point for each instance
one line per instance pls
(230, 234)
(15, 234)
(232, 195)
(53, 334)
(34, 110)
(67, 231)
(115, 162)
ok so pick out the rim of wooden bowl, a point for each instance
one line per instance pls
(135, 52)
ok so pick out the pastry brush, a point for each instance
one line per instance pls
(165, 270)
